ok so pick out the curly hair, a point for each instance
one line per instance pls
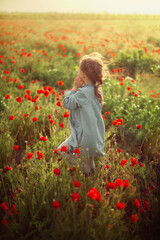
(94, 67)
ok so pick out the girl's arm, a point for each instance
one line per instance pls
(74, 99)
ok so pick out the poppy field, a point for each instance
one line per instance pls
(43, 196)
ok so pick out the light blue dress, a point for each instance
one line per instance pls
(86, 122)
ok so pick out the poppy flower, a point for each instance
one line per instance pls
(35, 119)
(60, 83)
(40, 155)
(123, 162)
(61, 125)
(126, 184)
(29, 155)
(56, 204)
(50, 89)
(134, 161)
(46, 93)
(94, 194)
(107, 166)
(22, 70)
(120, 205)
(36, 108)
(26, 115)
(103, 117)
(56, 171)
(7, 96)
(134, 218)
(21, 87)
(42, 138)
(77, 150)
(66, 114)
(77, 184)
(75, 197)
(137, 203)
(16, 147)
(19, 99)
(63, 149)
(4, 206)
(106, 113)
(13, 209)
(59, 104)
(139, 126)
(11, 117)
(28, 92)
(119, 150)
(112, 185)
(119, 183)
(7, 168)
(51, 121)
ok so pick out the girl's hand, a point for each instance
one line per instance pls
(78, 82)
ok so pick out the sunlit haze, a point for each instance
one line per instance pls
(82, 6)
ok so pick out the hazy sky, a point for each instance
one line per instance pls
(83, 6)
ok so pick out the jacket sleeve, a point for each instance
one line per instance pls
(74, 99)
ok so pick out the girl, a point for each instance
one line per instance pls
(85, 104)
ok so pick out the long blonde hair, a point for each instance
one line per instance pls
(94, 66)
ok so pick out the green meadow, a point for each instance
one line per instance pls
(43, 196)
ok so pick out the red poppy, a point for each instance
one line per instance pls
(42, 138)
(11, 117)
(7, 168)
(28, 92)
(51, 121)
(119, 121)
(107, 166)
(56, 171)
(129, 88)
(19, 99)
(134, 218)
(106, 113)
(60, 83)
(46, 93)
(50, 89)
(123, 162)
(66, 114)
(13, 209)
(35, 119)
(120, 205)
(59, 104)
(26, 115)
(126, 184)
(103, 117)
(112, 185)
(139, 126)
(16, 147)
(119, 150)
(75, 197)
(134, 161)
(77, 184)
(94, 194)
(119, 183)
(29, 155)
(137, 203)
(22, 70)
(61, 125)
(77, 150)
(63, 149)
(36, 108)
(56, 204)
(40, 155)
(21, 87)
(4, 206)
(7, 96)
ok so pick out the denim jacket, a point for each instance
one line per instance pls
(86, 123)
